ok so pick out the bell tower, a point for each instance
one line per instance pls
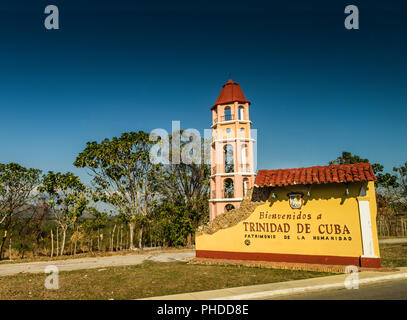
(232, 164)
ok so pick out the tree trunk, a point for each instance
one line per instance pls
(52, 244)
(98, 240)
(63, 241)
(117, 239)
(2, 243)
(140, 238)
(121, 237)
(112, 240)
(9, 250)
(57, 242)
(131, 243)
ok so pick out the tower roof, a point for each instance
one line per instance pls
(231, 92)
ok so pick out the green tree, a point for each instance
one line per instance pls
(389, 190)
(347, 158)
(186, 187)
(17, 190)
(123, 176)
(96, 221)
(401, 174)
(385, 180)
(173, 219)
(66, 197)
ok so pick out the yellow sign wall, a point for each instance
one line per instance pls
(326, 224)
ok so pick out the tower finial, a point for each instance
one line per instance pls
(230, 76)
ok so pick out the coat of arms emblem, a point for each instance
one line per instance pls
(296, 200)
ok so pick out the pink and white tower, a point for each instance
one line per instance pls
(232, 163)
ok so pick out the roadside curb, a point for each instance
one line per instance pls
(287, 288)
(292, 291)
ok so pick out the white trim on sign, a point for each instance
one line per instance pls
(366, 228)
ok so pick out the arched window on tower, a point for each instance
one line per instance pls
(228, 114)
(241, 113)
(229, 207)
(229, 191)
(243, 159)
(245, 186)
(228, 156)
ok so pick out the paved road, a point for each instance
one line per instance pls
(92, 263)
(392, 290)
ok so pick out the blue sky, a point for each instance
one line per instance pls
(316, 88)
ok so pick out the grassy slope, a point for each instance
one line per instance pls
(147, 279)
(394, 255)
(153, 279)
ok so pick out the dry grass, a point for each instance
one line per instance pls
(144, 280)
(394, 255)
(154, 279)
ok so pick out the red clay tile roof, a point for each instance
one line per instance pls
(231, 92)
(342, 173)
